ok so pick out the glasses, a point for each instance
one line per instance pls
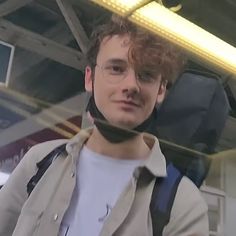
(115, 73)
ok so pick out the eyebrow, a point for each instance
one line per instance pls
(117, 61)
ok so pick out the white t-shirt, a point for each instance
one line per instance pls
(100, 181)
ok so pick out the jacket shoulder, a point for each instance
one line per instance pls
(39, 151)
(189, 214)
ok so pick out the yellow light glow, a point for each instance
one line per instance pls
(160, 20)
(175, 28)
(130, 3)
(121, 7)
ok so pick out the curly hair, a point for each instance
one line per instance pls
(147, 51)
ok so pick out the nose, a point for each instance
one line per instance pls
(130, 83)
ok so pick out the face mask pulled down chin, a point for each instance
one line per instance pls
(113, 133)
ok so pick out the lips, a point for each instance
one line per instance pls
(128, 103)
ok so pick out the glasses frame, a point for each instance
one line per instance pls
(141, 77)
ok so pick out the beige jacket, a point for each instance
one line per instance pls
(41, 214)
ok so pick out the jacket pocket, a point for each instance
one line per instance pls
(27, 223)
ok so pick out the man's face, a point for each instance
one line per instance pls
(119, 95)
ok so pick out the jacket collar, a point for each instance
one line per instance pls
(155, 163)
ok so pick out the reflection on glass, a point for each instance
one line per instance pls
(196, 124)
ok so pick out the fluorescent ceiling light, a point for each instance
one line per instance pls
(177, 29)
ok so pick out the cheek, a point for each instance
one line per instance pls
(98, 95)
(151, 98)
(156, 95)
(102, 94)
(151, 105)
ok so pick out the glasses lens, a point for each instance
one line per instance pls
(114, 73)
(146, 77)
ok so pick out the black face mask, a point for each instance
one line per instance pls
(115, 134)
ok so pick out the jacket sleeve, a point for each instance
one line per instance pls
(189, 214)
(14, 193)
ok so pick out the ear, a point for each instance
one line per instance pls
(88, 79)
(161, 92)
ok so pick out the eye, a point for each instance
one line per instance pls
(146, 77)
(115, 69)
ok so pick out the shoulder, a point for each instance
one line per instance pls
(189, 211)
(46, 147)
(37, 152)
(188, 196)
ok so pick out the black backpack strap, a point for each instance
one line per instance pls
(43, 166)
(163, 196)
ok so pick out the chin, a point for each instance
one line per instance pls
(124, 121)
(128, 124)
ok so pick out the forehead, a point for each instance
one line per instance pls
(116, 46)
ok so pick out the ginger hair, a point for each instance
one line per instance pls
(147, 51)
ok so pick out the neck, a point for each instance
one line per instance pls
(132, 149)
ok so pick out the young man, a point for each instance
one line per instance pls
(102, 184)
